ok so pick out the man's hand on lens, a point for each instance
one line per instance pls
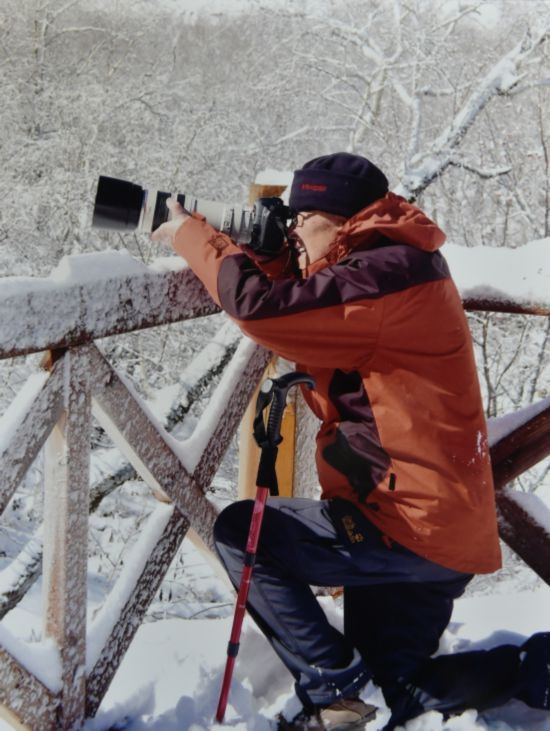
(167, 231)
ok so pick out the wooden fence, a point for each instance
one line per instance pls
(64, 319)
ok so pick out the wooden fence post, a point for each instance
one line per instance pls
(67, 465)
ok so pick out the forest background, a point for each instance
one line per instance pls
(450, 98)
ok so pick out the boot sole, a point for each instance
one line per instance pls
(284, 725)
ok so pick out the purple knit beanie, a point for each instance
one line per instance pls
(341, 183)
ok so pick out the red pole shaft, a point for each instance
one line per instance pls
(242, 596)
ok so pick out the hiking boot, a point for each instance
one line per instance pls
(342, 715)
(535, 671)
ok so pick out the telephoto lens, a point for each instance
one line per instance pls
(124, 206)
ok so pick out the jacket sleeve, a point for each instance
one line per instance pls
(313, 322)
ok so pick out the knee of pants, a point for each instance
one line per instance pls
(233, 523)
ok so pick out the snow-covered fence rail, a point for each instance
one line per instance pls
(93, 296)
(498, 279)
(519, 441)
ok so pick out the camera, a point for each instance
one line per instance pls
(125, 206)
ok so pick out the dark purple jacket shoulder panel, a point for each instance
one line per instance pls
(247, 294)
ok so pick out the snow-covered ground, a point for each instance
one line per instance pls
(170, 678)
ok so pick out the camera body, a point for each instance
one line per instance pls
(124, 206)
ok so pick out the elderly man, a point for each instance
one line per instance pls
(361, 299)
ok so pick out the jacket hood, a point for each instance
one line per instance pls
(397, 219)
(392, 217)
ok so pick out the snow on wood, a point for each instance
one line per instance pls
(523, 525)
(500, 278)
(122, 613)
(41, 659)
(523, 446)
(269, 176)
(109, 469)
(91, 296)
(536, 509)
(239, 378)
(11, 420)
(25, 426)
(237, 401)
(106, 618)
(24, 681)
(130, 599)
(182, 470)
(145, 443)
(503, 426)
(21, 573)
(519, 441)
(209, 358)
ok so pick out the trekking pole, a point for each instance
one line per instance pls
(273, 393)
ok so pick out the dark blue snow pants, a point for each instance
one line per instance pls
(396, 606)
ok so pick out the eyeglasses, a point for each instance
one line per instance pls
(300, 218)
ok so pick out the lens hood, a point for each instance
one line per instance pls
(118, 204)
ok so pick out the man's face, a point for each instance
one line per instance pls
(308, 223)
(313, 235)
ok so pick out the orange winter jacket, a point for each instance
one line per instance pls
(380, 326)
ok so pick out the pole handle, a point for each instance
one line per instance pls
(273, 393)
